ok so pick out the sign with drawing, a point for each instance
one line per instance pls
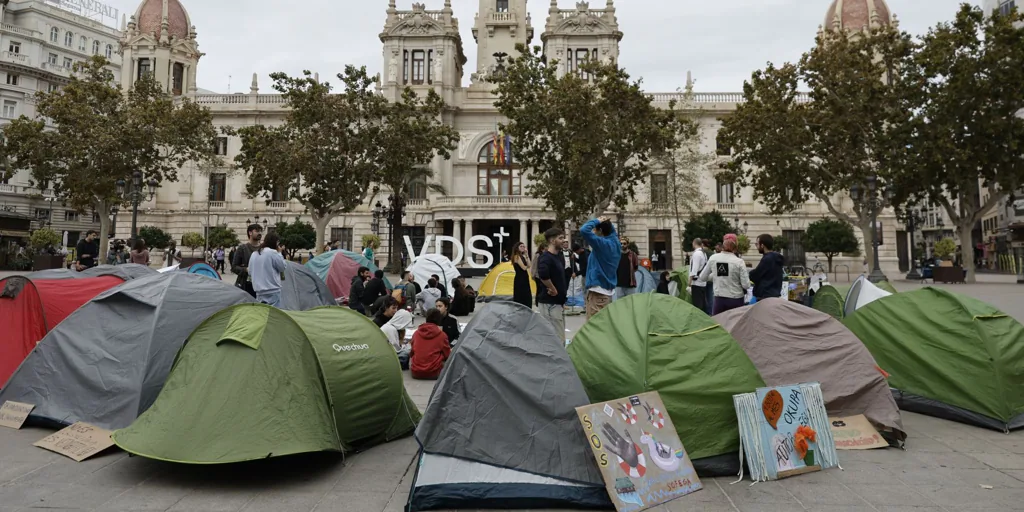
(638, 450)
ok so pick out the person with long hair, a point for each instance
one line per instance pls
(463, 298)
(140, 254)
(730, 276)
(522, 292)
(265, 268)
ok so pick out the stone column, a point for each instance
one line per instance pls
(522, 235)
(536, 231)
(469, 235)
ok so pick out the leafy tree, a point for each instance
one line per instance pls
(945, 248)
(964, 92)
(44, 238)
(410, 134)
(371, 241)
(193, 241)
(585, 139)
(89, 134)
(222, 236)
(790, 150)
(324, 153)
(711, 227)
(832, 238)
(155, 237)
(296, 236)
(743, 244)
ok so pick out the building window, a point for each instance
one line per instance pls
(54, 35)
(721, 148)
(418, 60)
(70, 216)
(418, 190)
(144, 68)
(82, 43)
(52, 59)
(95, 217)
(1006, 7)
(405, 66)
(68, 63)
(52, 88)
(582, 55)
(69, 39)
(570, 64)
(220, 146)
(280, 193)
(95, 47)
(502, 6)
(430, 66)
(218, 186)
(15, 47)
(494, 179)
(659, 189)
(109, 52)
(726, 192)
(42, 214)
(12, 79)
(343, 235)
(10, 109)
(178, 77)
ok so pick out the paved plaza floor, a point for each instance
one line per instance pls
(946, 467)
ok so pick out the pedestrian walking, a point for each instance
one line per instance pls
(218, 257)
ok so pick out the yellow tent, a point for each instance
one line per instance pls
(500, 281)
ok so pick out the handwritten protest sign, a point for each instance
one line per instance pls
(78, 442)
(14, 414)
(638, 450)
(856, 433)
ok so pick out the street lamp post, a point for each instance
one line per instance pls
(392, 214)
(875, 201)
(914, 219)
(135, 195)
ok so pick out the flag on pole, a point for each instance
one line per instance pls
(495, 145)
(508, 150)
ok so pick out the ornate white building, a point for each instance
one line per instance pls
(423, 49)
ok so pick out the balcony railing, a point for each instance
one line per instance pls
(217, 205)
(17, 30)
(278, 205)
(16, 58)
(9, 189)
(726, 207)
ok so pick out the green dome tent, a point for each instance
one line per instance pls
(659, 343)
(829, 300)
(681, 278)
(254, 382)
(948, 356)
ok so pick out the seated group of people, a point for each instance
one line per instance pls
(432, 342)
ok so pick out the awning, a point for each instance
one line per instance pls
(15, 233)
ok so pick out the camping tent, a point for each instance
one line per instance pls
(125, 272)
(254, 382)
(337, 268)
(301, 289)
(499, 283)
(99, 368)
(680, 278)
(948, 355)
(434, 264)
(829, 300)
(501, 430)
(203, 269)
(862, 293)
(646, 281)
(30, 308)
(791, 343)
(654, 342)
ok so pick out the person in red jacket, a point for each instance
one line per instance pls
(430, 348)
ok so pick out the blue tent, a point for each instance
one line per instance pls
(202, 269)
(646, 282)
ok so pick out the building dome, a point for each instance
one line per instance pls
(149, 17)
(857, 14)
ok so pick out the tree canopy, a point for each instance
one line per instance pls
(89, 134)
(296, 236)
(221, 236)
(831, 237)
(155, 237)
(586, 139)
(711, 227)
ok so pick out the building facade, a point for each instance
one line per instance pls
(422, 49)
(39, 45)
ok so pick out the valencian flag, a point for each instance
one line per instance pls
(501, 149)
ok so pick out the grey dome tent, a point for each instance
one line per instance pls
(501, 430)
(128, 271)
(106, 363)
(302, 289)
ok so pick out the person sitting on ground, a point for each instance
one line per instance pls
(429, 295)
(440, 285)
(463, 298)
(663, 284)
(394, 329)
(449, 324)
(355, 291)
(385, 309)
(373, 290)
(729, 274)
(430, 348)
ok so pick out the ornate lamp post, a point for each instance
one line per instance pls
(876, 200)
(135, 195)
(390, 213)
(914, 219)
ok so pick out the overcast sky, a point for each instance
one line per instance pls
(721, 41)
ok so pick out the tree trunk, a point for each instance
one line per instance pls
(963, 234)
(104, 211)
(396, 242)
(829, 258)
(320, 224)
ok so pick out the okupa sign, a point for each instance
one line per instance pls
(460, 251)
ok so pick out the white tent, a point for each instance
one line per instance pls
(862, 293)
(434, 264)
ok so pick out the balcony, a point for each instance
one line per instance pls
(278, 205)
(217, 205)
(16, 58)
(726, 207)
(7, 27)
(55, 68)
(8, 189)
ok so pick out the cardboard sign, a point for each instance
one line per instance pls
(78, 442)
(856, 433)
(638, 450)
(14, 414)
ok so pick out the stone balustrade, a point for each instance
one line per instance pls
(7, 27)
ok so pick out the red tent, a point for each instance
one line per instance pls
(30, 308)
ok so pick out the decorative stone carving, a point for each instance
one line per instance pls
(393, 67)
(418, 24)
(439, 67)
(465, 139)
(582, 22)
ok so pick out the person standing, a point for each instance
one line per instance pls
(552, 274)
(626, 271)
(240, 264)
(355, 291)
(218, 256)
(409, 290)
(602, 265)
(521, 289)
(265, 268)
(429, 349)
(140, 254)
(87, 251)
(767, 277)
(728, 272)
(368, 253)
(698, 286)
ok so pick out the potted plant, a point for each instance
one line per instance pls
(45, 244)
(946, 272)
(945, 249)
(193, 241)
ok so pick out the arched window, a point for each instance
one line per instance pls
(69, 39)
(82, 42)
(95, 47)
(54, 35)
(110, 51)
(497, 176)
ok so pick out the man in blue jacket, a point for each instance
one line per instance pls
(603, 263)
(767, 277)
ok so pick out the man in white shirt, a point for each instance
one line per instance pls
(698, 289)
